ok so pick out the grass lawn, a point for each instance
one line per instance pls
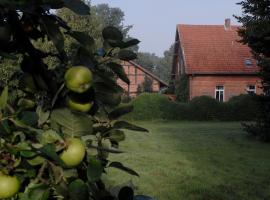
(195, 160)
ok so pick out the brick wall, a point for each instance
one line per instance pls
(136, 77)
(233, 85)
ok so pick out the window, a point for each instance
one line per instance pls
(251, 89)
(248, 62)
(220, 93)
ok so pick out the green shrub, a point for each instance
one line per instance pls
(204, 108)
(148, 106)
(243, 107)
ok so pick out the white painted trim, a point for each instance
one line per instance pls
(223, 90)
(255, 88)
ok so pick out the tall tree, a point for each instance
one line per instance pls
(163, 68)
(256, 34)
(111, 16)
(148, 60)
(160, 66)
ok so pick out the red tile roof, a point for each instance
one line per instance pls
(212, 49)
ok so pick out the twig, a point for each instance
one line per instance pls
(10, 109)
(41, 171)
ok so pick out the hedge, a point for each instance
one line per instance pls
(156, 106)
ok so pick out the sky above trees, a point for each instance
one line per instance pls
(154, 21)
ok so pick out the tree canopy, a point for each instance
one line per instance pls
(256, 34)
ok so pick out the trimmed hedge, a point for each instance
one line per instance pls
(156, 106)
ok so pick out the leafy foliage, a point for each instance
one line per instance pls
(182, 88)
(256, 33)
(36, 127)
(160, 66)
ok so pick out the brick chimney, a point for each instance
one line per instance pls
(227, 24)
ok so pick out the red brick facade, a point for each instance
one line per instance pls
(216, 64)
(233, 85)
(137, 75)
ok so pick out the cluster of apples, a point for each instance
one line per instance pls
(79, 80)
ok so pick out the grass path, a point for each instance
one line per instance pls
(195, 160)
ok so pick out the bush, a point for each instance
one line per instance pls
(148, 106)
(156, 106)
(205, 108)
(243, 107)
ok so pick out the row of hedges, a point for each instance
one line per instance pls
(155, 106)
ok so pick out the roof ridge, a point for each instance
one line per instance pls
(148, 72)
(204, 25)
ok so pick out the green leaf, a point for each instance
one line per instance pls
(50, 152)
(77, 6)
(54, 33)
(120, 111)
(54, 4)
(72, 124)
(70, 173)
(126, 125)
(127, 55)
(26, 103)
(36, 192)
(28, 118)
(120, 166)
(38, 160)
(126, 193)
(49, 136)
(130, 43)
(4, 98)
(28, 154)
(4, 128)
(83, 57)
(94, 170)
(78, 190)
(84, 39)
(119, 71)
(116, 135)
(43, 116)
(112, 99)
(112, 33)
(22, 125)
(123, 45)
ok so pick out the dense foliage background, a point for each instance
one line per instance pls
(59, 96)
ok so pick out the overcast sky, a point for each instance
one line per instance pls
(154, 21)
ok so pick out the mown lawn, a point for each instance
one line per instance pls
(195, 160)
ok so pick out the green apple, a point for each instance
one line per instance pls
(9, 186)
(74, 153)
(78, 106)
(79, 79)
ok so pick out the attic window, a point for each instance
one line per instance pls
(248, 62)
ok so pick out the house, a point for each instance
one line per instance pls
(214, 62)
(137, 76)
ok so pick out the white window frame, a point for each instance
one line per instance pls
(220, 90)
(251, 91)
